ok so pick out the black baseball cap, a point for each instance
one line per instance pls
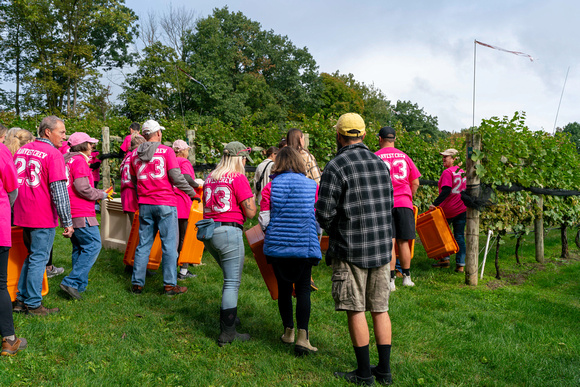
(387, 132)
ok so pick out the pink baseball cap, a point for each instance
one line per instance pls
(180, 145)
(80, 137)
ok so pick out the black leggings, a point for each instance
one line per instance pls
(182, 226)
(6, 321)
(297, 272)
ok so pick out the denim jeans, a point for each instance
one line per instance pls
(154, 218)
(39, 242)
(86, 245)
(227, 247)
(458, 224)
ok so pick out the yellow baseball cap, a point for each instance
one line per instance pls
(351, 125)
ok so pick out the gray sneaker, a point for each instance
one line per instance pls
(181, 277)
(54, 271)
(72, 292)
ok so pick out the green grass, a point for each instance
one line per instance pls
(523, 330)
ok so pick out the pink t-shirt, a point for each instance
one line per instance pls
(222, 198)
(183, 200)
(153, 186)
(38, 164)
(403, 171)
(126, 145)
(8, 183)
(453, 205)
(76, 168)
(95, 172)
(64, 148)
(128, 192)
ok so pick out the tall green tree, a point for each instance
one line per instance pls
(573, 129)
(68, 42)
(14, 46)
(247, 70)
(415, 119)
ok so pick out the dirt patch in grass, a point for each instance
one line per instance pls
(516, 278)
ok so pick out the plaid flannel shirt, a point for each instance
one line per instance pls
(354, 207)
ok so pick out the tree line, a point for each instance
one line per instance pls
(174, 66)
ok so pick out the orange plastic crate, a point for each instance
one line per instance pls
(255, 237)
(435, 234)
(192, 248)
(16, 257)
(411, 241)
(133, 242)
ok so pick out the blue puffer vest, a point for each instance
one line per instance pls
(292, 229)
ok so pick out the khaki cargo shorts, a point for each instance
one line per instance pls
(360, 290)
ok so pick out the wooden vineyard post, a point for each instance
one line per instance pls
(191, 143)
(105, 166)
(472, 225)
(539, 231)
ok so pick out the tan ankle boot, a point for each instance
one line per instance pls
(303, 346)
(288, 336)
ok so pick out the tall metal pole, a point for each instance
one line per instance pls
(561, 95)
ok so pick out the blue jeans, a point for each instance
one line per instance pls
(39, 242)
(458, 224)
(154, 218)
(86, 246)
(227, 247)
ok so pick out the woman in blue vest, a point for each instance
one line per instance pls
(291, 244)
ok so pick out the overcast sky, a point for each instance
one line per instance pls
(423, 51)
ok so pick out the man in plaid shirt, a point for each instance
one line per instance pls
(354, 207)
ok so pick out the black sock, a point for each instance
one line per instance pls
(393, 274)
(407, 272)
(363, 361)
(384, 365)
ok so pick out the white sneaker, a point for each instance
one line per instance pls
(392, 286)
(407, 280)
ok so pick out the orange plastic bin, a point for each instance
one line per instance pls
(255, 237)
(16, 257)
(133, 242)
(435, 234)
(192, 249)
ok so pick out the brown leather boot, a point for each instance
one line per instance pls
(302, 346)
(288, 336)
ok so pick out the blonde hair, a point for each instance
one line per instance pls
(136, 140)
(16, 138)
(228, 165)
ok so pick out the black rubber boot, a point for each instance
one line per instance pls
(228, 327)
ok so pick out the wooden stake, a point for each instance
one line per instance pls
(472, 224)
(105, 166)
(539, 231)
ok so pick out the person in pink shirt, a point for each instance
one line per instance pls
(134, 129)
(129, 199)
(8, 193)
(184, 202)
(42, 200)
(86, 240)
(228, 199)
(95, 165)
(451, 183)
(405, 180)
(64, 148)
(155, 171)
